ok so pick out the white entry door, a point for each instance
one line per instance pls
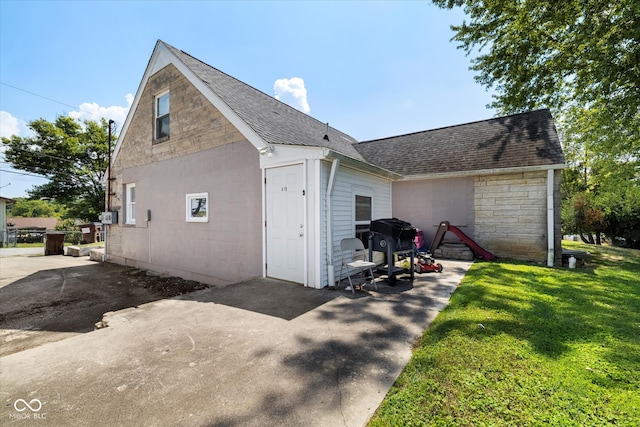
(285, 223)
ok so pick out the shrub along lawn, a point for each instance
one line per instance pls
(528, 345)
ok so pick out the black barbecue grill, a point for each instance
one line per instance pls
(392, 236)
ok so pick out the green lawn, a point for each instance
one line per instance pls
(524, 345)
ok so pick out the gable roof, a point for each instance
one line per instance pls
(526, 140)
(47, 223)
(7, 200)
(274, 121)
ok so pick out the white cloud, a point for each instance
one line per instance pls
(292, 91)
(9, 125)
(92, 111)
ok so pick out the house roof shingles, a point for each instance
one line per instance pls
(274, 121)
(520, 140)
(516, 141)
(33, 223)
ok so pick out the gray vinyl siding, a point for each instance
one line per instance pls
(348, 182)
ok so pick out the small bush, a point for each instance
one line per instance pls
(70, 227)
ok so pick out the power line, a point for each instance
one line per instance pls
(39, 96)
(24, 173)
(115, 128)
(25, 150)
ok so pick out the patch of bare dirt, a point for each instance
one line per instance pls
(50, 305)
(164, 286)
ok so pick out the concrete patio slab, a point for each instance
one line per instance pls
(258, 353)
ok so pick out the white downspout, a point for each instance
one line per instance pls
(550, 219)
(330, 270)
(105, 255)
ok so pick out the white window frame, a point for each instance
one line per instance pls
(360, 192)
(192, 198)
(158, 117)
(130, 203)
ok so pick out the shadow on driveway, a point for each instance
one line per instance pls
(256, 353)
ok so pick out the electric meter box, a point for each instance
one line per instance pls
(110, 217)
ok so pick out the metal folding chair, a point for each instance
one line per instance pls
(355, 257)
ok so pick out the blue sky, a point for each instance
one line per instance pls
(370, 69)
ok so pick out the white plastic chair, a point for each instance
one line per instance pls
(355, 257)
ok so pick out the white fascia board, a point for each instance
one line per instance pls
(481, 172)
(136, 99)
(160, 58)
(287, 154)
(361, 166)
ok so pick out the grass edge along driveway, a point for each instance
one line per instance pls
(528, 345)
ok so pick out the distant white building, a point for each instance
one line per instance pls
(3, 219)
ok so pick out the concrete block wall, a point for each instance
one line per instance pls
(196, 125)
(204, 153)
(511, 214)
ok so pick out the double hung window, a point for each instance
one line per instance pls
(130, 203)
(363, 218)
(162, 116)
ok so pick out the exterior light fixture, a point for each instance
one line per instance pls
(267, 149)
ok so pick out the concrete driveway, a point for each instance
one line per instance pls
(257, 353)
(50, 298)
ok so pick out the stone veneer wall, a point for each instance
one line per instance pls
(202, 141)
(511, 215)
(196, 125)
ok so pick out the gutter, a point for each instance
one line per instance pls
(360, 165)
(329, 195)
(550, 220)
(479, 172)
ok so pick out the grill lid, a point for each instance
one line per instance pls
(393, 227)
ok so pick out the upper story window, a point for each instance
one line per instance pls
(162, 116)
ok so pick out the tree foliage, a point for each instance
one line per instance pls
(35, 209)
(551, 53)
(581, 58)
(600, 178)
(72, 155)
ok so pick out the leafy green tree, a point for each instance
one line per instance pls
(556, 54)
(72, 155)
(581, 216)
(581, 59)
(35, 209)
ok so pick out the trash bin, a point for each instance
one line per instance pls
(54, 243)
(88, 233)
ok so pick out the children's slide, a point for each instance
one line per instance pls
(475, 248)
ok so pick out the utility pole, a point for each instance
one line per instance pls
(111, 122)
(106, 226)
